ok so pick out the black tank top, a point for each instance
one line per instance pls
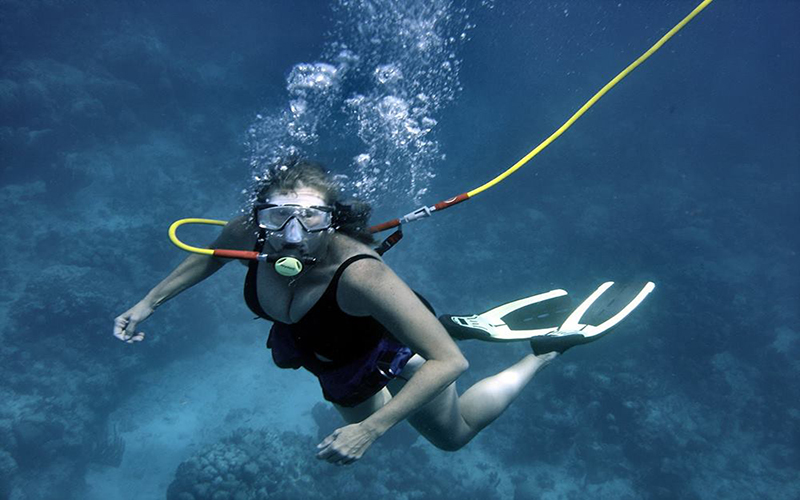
(325, 329)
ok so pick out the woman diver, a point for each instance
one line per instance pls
(379, 352)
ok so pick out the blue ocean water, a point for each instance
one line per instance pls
(117, 118)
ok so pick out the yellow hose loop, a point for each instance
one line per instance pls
(592, 101)
(175, 225)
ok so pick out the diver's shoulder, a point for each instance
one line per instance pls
(239, 233)
(346, 247)
(361, 272)
(360, 278)
(241, 222)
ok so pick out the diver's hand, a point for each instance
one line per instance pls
(347, 444)
(125, 324)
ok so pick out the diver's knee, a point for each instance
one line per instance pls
(451, 447)
(447, 443)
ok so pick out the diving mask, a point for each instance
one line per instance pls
(275, 217)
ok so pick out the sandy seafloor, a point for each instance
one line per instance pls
(117, 118)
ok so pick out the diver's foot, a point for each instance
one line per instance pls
(546, 359)
(557, 342)
(542, 361)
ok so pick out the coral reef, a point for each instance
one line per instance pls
(259, 464)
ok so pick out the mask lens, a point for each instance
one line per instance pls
(274, 218)
(314, 218)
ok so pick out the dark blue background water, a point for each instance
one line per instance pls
(117, 118)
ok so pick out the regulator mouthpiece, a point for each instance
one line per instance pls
(288, 266)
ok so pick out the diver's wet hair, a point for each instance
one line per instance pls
(350, 217)
(293, 173)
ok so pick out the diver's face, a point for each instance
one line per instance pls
(293, 238)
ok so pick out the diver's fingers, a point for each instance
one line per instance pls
(328, 440)
(120, 325)
(328, 453)
(135, 338)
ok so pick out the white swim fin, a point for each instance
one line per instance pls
(548, 321)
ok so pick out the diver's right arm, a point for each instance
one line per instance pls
(237, 235)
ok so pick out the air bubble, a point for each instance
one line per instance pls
(388, 74)
(402, 57)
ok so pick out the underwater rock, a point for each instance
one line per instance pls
(8, 469)
(7, 440)
(326, 418)
(34, 438)
(107, 448)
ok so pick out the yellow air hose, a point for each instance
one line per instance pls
(213, 252)
(178, 223)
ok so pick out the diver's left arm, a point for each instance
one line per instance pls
(370, 288)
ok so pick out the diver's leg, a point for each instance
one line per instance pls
(440, 420)
(450, 421)
(358, 413)
(482, 403)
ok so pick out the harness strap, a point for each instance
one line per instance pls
(250, 290)
(334, 285)
(390, 241)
